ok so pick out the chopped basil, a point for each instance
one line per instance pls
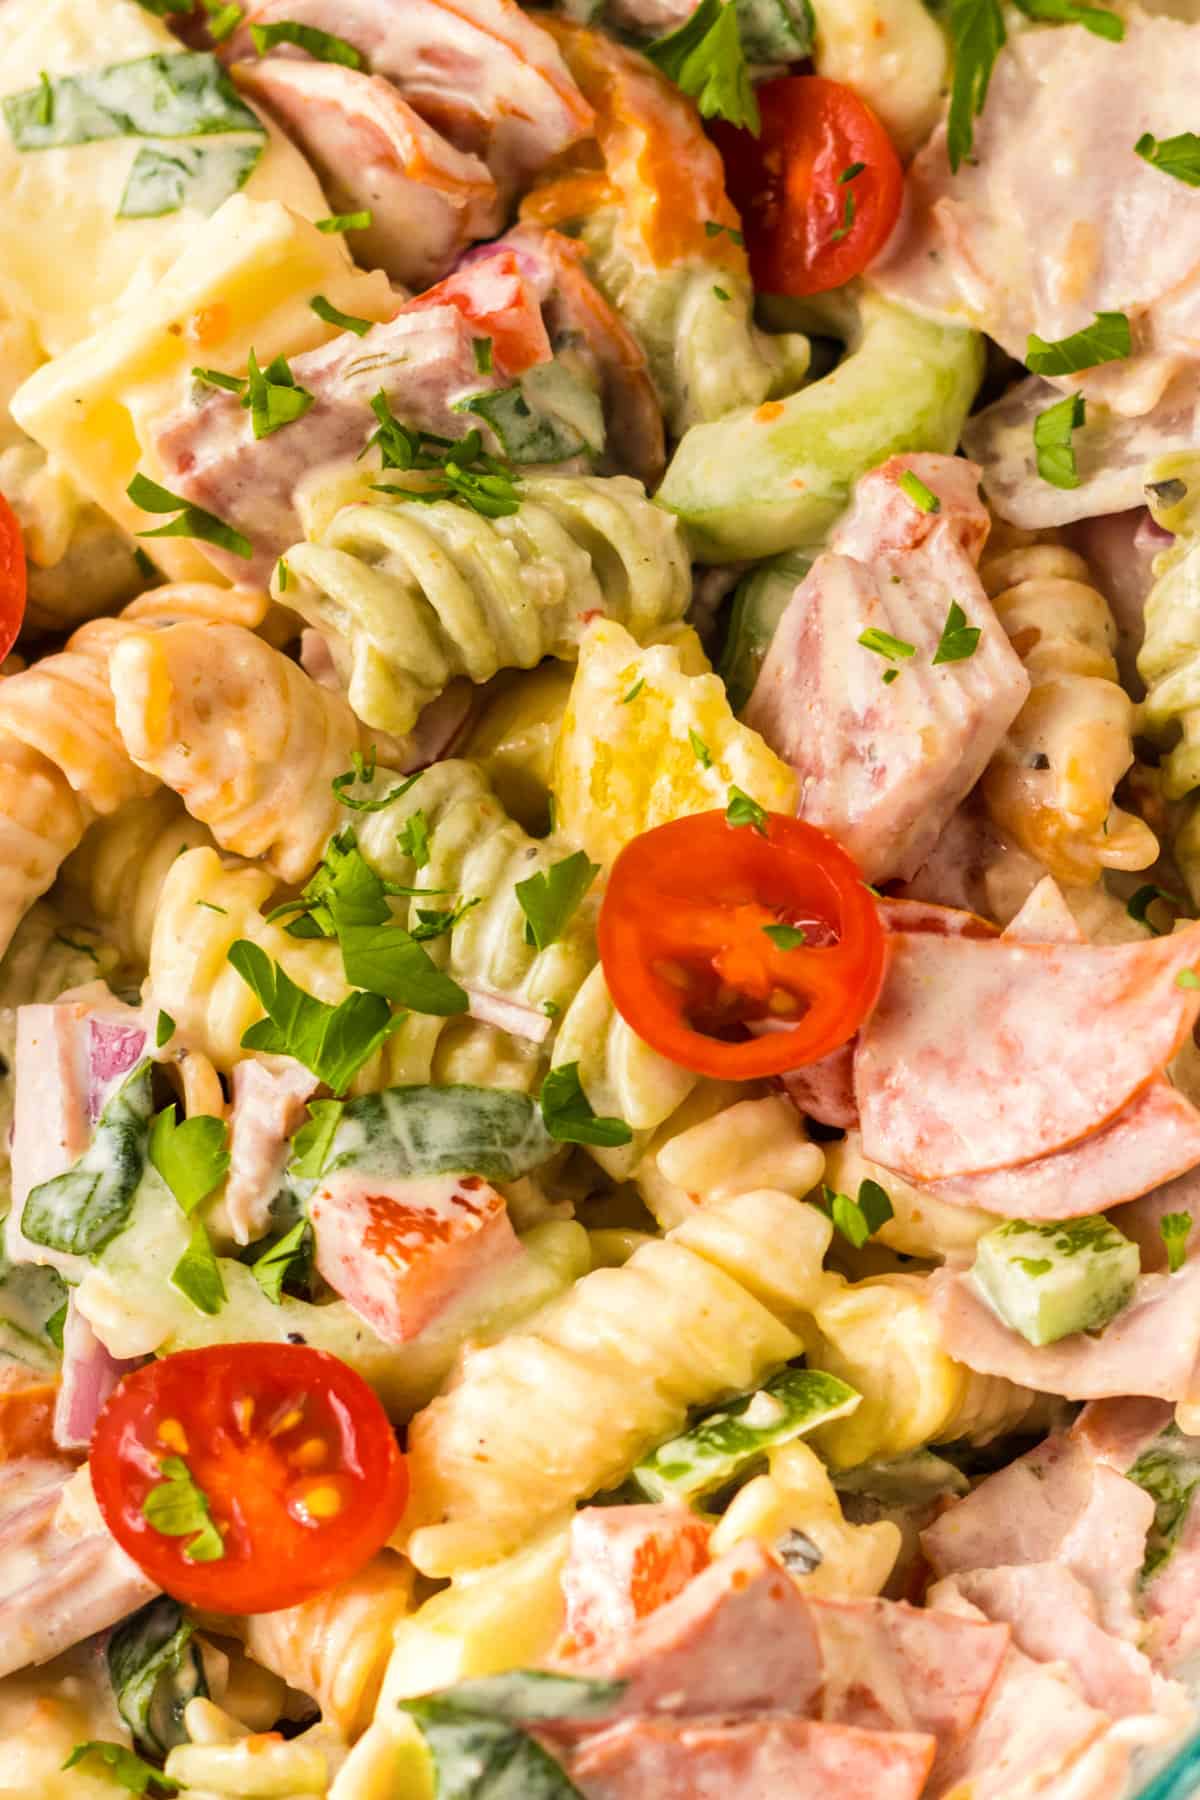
(1169, 1472)
(84, 1209)
(786, 937)
(706, 59)
(321, 45)
(201, 176)
(282, 575)
(1106, 339)
(890, 675)
(178, 1508)
(1187, 978)
(958, 640)
(355, 221)
(524, 435)
(328, 312)
(714, 228)
(155, 1668)
(634, 691)
(551, 898)
(922, 497)
(197, 1274)
(230, 384)
(530, 1696)
(272, 396)
(333, 1041)
(700, 749)
(568, 1114)
(721, 293)
(475, 1739)
(1176, 1229)
(413, 839)
(192, 1158)
(1052, 444)
(742, 810)
(403, 1132)
(223, 21)
(1140, 903)
(312, 1143)
(363, 770)
(193, 521)
(463, 471)
(860, 1219)
(125, 1767)
(882, 643)
(481, 349)
(290, 1259)
(1178, 156)
(56, 1324)
(843, 230)
(1096, 19)
(977, 35)
(176, 94)
(386, 959)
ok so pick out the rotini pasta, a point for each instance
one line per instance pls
(743, 1146)
(1051, 785)
(118, 871)
(612, 1369)
(79, 565)
(224, 1761)
(409, 595)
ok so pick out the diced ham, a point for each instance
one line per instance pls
(427, 200)
(1053, 219)
(89, 1375)
(63, 1577)
(883, 767)
(961, 1067)
(497, 300)
(268, 1109)
(769, 1759)
(1150, 1348)
(1055, 1504)
(825, 1089)
(400, 1251)
(1122, 547)
(622, 1563)
(973, 865)
(1115, 1432)
(480, 71)
(506, 1014)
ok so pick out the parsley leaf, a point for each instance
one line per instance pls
(223, 21)
(291, 1258)
(1176, 1229)
(922, 497)
(413, 839)
(786, 937)
(882, 643)
(179, 1508)
(273, 398)
(634, 691)
(958, 640)
(700, 749)
(1096, 19)
(314, 1140)
(1052, 441)
(197, 1274)
(860, 1219)
(481, 350)
(386, 959)
(1178, 156)
(843, 230)
(978, 36)
(742, 810)
(333, 1041)
(1106, 339)
(567, 1112)
(192, 1158)
(56, 1324)
(551, 898)
(231, 384)
(1140, 903)
(1187, 978)
(355, 221)
(329, 314)
(126, 1768)
(321, 45)
(363, 770)
(706, 59)
(193, 521)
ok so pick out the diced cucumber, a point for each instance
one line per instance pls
(719, 1447)
(758, 605)
(1048, 1281)
(1169, 1471)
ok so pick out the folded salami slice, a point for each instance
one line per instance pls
(981, 1055)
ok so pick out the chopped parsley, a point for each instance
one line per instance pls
(355, 221)
(197, 1274)
(786, 937)
(551, 898)
(192, 1158)
(1178, 156)
(568, 1116)
(481, 350)
(231, 384)
(977, 35)
(882, 643)
(1052, 444)
(164, 1030)
(333, 1041)
(860, 1219)
(363, 770)
(272, 397)
(413, 839)
(1176, 1229)
(288, 1260)
(1096, 19)
(706, 59)
(958, 640)
(700, 749)
(922, 497)
(462, 470)
(1106, 339)
(843, 230)
(742, 810)
(322, 46)
(714, 228)
(1187, 978)
(178, 1507)
(634, 691)
(329, 313)
(192, 522)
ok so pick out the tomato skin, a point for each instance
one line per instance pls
(684, 920)
(261, 1428)
(12, 578)
(786, 185)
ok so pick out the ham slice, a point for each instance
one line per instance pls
(1150, 1348)
(768, 1759)
(961, 1067)
(89, 1375)
(883, 767)
(623, 1562)
(399, 1251)
(1053, 219)
(427, 200)
(480, 71)
(268, 1109)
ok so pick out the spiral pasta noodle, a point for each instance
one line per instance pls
(556, 1413)
(1050, 787)
(410, 595)
(117, 873)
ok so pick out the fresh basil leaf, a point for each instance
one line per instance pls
(958, 641)
(321, 45)
(164, 1030)
(1052, 444)
(977, 34)
(192, 1158)
(198, 176)
(291, 1259)
(525, 436)
(333, 1041)
(330, 315)
(477, 1758)
(176, 94)
(125, 1768)
(56, 1324)
(312, 1143)
(1169, 1471)
(272, 397)
(1176, 1229)
(706, 59)
(1096, 19)
(551, 898)
(568, 1114)
(155, 1669)
(922, 497)
(193, 521)
(404, 1132)
(84, 1209)
(1178, 156)
(742, 810)
(179, 1508)
(386, 959)
(197, 1274)
(1106, 339)
(533, 1696)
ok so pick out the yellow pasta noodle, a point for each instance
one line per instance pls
(118, 871)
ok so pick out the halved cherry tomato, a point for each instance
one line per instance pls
(494, 298)
(12, 578)
(692, 965)
(819, 191)
(291, 1453)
